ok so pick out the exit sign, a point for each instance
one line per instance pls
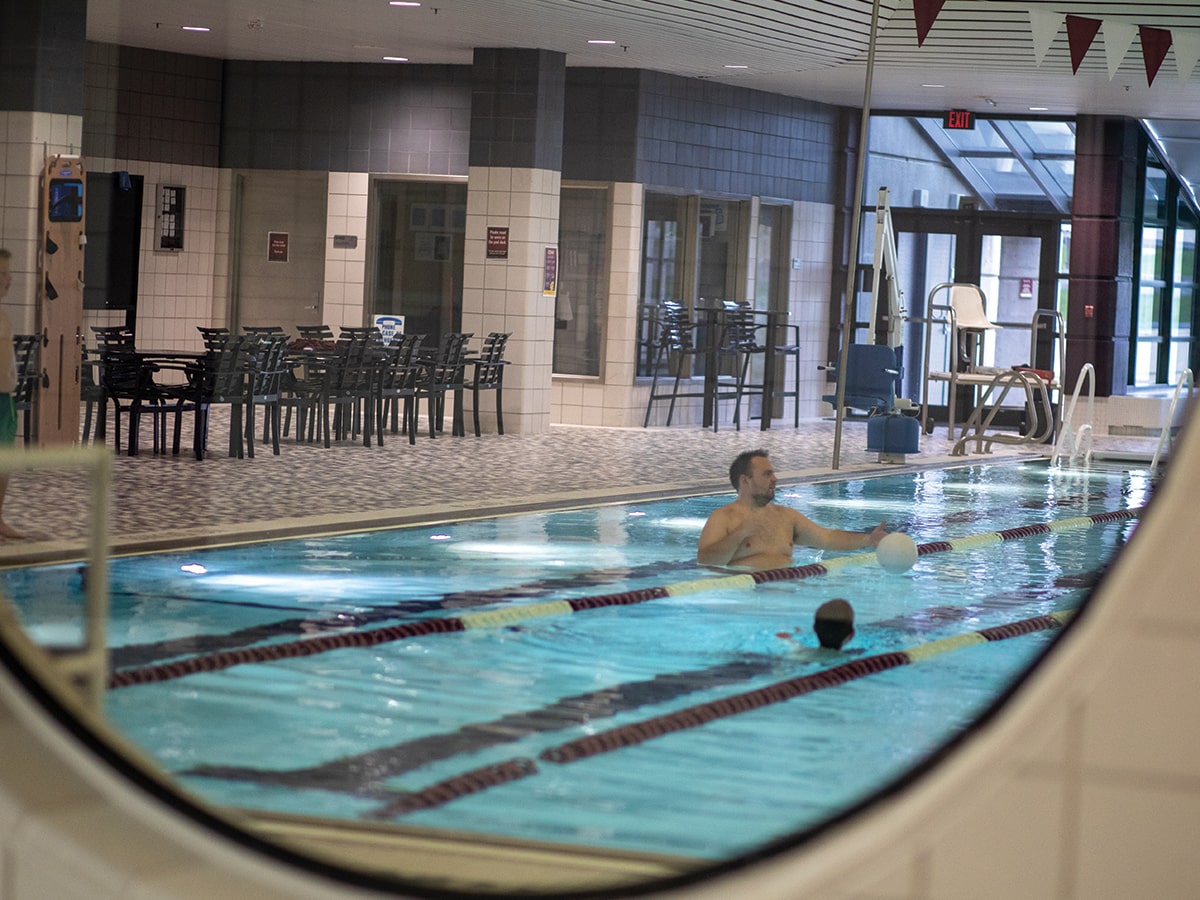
(959, 118)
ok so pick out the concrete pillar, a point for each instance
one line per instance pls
(513, 196)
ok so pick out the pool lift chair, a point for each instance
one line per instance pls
(874, 372)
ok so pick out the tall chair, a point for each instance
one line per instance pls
(675, 349)
(488, 375)
(971, 322)
(740, 342)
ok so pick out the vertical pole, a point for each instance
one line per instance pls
(855, 225)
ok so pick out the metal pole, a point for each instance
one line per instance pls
(855, 224)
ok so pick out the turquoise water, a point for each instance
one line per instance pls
(357, 732)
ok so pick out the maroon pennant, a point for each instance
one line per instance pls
(1155, 44)
(1080, 34)
(925, 11)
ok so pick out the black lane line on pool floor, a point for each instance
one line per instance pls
(497, 618)
(153, 652)
(360, 774)
(620, 737)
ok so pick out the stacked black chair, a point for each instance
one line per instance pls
(315, 332)
(25, 351)
(396, 390)
(266, 370)
(219, 379)
(488, 375)
(442, 375)
(128, 381)
(674, 350)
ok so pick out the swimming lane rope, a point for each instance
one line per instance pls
(622, 736)
(214, 662)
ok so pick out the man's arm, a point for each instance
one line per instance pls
(809, 533)
(719, 541)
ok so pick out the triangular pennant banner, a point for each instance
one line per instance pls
(925, 11)
(1117, 38)
(1155, 44)
(1080, 34)
(1045, 26)
(1187, 52)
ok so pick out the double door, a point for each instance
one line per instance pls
(1015, 260)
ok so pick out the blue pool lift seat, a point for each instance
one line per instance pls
(873, 372)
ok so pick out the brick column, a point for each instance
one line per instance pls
(513, 183)
(1103, 237)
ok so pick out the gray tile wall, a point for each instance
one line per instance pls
(41, 69)
(153, 106)
(346, 117)
(517, 108)
(719, 138)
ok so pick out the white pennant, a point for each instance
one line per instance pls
(1117, 38)
(1045, 26)
(1187, 51)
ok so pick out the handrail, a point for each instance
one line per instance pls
(1006, 381)
(1088, 372)
(85, 668)
(1165, 432)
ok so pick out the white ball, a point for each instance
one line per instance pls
(896, 552)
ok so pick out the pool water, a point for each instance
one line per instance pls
(466, 729)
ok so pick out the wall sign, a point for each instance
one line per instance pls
(962, 119)
(277, 246)
(497, 242)
(550, 272)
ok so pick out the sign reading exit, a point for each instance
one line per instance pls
(962, 119)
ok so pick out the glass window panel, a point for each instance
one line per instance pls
(1152, 254)
(663, 259)
(581, 305)
(1146, 365)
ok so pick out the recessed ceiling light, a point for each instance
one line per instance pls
(601, 42)
(395, 59)
(403, 3)
(1038, 108)
(733, 66)
(194, 28)
(933, 85)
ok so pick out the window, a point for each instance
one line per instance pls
(581, 305)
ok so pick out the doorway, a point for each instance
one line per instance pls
(1013, 259)
(279, 272)
(416, 254)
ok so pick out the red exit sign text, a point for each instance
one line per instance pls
(959, 118)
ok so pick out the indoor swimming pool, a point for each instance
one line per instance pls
(575, 677)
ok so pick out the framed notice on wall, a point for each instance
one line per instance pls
(550, 272)
(277, 246)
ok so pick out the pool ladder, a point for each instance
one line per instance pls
(1076, 445)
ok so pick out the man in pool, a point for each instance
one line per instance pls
(754, 532)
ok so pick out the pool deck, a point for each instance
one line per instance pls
(166, 501)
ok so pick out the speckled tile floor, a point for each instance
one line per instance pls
(162, 501)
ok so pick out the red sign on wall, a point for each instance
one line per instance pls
(277, 246)
(497, 242)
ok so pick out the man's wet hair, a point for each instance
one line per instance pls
(834, 623)
(741, 465)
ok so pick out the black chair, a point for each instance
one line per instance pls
(25, 352)
(213, 338)
(315, 332)
(396, 389)
(740, 343)
(128, 381)
(266, 367)
(219, 378)
(91, 393)
(262, 330)
(110, 336)
(442, 375)
(488, 375)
